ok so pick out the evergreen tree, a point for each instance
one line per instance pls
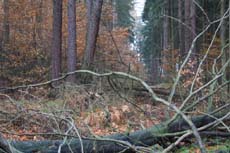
(124, 17)
(152, 32)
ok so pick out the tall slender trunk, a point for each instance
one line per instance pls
(172, 36)
(166, 27)
(94, 9)
(114, 13)
(228, 72)
(154, 69)
(110, 22)
(39, 19)
(165, 33)
(190, 21)
(86, 60)
(57, 39)
(89, 5)
(222, 31)
(156, 65)
(187, 22)
(181, 28)
(71, 55)
(5, 37)
(222, 37)
(193, 22)
(6, 24)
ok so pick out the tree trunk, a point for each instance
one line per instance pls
(193, 22)
(166, 27)
(165, 35)
(224, 56)
(71, 55)
(155, 66)
(190, 21)
(94, 9)
(147, 137)
(57, 39)
(6, 24)
(4, 146)
(187, 31)
(181, 28)
(5, 37)
(39, 20)
(228, 76)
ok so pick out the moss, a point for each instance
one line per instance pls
(220, 147)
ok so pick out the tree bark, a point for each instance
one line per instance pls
(6, 23)
(94, 9)
(155, 69)
(165, 33)
(190, 21)
(4, 146)
(39, 19)
(5, 37)
(193, 23)
(71, 55)
(180, 29)
(57, 39)
(228, 76)
(147, 137)
(224, 56)
(187, 31)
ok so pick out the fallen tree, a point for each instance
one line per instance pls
(126, 142)
(179, 127)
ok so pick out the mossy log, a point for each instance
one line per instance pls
(147, 137)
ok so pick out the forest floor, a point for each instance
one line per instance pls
(94, 112)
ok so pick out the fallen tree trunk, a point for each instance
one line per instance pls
(4, 146)
(161, 91)
(113, 143)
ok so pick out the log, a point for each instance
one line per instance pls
(160, 91)
(4, 146)
(147, 137)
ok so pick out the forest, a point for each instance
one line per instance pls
(114, 76)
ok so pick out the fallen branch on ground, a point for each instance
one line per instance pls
(158, 134)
